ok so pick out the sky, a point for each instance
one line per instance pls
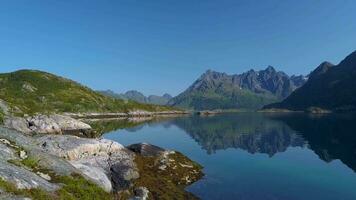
(161, 46)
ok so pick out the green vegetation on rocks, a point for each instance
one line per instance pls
(72, 187)
(170, 182)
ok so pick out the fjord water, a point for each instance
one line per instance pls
(260, 156)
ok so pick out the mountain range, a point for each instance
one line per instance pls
(139, 97)
(330, 87)
(249, 90)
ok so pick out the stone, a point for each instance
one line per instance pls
(73, 148)
(46, 124)
(7, 153)
(141, 193)
(94, 158)
(23, 154)
(28, 87)
(145, 149)
(67, 123)
(17, 123)
(45, 176)
(139, 113)
(97, 174)
(43, 124)
(29, 144)
(24, 179)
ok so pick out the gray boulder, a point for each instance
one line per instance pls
(141, 193)
(6, 153)
(46, 124)
(145, 149)
(24, 179)
(17, 123)
(96, 158)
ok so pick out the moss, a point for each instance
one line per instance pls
(171, 182)
(31, 163)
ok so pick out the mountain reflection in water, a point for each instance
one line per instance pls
(255, 156)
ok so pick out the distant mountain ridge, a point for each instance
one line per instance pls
(250, 90)
(139, 97)
(330, 87)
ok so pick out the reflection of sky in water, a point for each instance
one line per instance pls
(250, 156)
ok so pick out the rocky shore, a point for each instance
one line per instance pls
(136, 113)
(38, 160)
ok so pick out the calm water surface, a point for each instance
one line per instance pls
(260, 156)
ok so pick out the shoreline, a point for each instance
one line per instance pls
(124, 115)
(46, 154)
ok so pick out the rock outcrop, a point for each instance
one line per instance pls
(46, 124)
(108, 163)
(131, 171)
(24, 179)
(145, 149)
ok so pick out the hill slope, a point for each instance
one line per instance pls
(30, 91)
(139, 97)
(250, 90)
(329, 87)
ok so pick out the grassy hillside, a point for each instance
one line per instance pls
(30, 91)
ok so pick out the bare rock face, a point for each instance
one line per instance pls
(67, 123)
(24, 179)
(6, 153)
(43, 124)
(46, 124)
(17, 123)
(107, 163)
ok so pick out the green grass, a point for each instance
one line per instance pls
(76, 187)
(30, 92)
(30, 162)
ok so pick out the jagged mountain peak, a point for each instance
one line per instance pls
(236, 91)
(270, 69)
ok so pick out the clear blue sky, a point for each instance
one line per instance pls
(163, 46)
